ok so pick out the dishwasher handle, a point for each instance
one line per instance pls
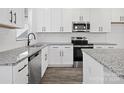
(33, 56)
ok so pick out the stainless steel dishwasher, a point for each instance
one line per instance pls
(35, 68)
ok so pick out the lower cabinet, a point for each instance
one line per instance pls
(20, 72)
(96, 73)
(60, 55)
(104, 46)
(14, 74)
(44, 60)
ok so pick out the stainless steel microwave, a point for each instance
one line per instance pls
(80, 26)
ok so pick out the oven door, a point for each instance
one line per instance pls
(78, 54)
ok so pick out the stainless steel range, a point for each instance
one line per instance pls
(78, 44)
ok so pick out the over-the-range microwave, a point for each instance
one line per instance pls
(80, 26)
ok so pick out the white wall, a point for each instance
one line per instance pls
(8, 40)
(117, 35)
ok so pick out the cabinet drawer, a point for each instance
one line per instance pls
(20, 72)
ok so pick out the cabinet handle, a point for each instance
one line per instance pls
(15, 18)
(22, 68)
(99, 28)
(55, 47)
(60, 53)
(67, 47)
(120, 18)
(80, 18)
(45, 57)
(11, 18)
(110, 47)
(98, 47)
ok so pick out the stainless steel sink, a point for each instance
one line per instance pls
(36, 45)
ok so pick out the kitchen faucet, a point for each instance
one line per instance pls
(29, 39)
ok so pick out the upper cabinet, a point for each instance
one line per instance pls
(12, 18)
(67, 20)
(56, 20)
(100, 20)
(80, 14)
(60, 19)
(118, 15)
(41, 18)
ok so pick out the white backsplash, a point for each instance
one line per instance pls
(66, 37)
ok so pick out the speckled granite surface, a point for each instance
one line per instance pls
(11, 57)
(113, 59)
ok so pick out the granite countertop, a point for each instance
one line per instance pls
(56, 43)
(113, 59)
(102, 43)
(14, 56)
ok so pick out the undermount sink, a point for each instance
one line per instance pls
(35, 46)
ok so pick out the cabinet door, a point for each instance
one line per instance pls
(67, 20)
(84, 13)
(54, 55)
(56, 20)
(6, 16)
(100, 20)
(67, 54)
(18, 17)
(44, 63)
(76, 14)
(40, 19)
(20, 72)
(118, 15)
(47, 20)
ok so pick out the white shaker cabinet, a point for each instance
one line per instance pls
(67, 20)
(54, 55)
(18, 17)
(67, 54)
(92, 71)
(80, 14)
(117, 14)
(13, 17)
(6, 16)
(60, 55)
(14, 74)
(20, 72)
(56, 20)
(96, 73)
(100, 20)
(44, 60)
(41, 19)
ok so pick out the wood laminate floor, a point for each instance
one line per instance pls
(62, 76)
